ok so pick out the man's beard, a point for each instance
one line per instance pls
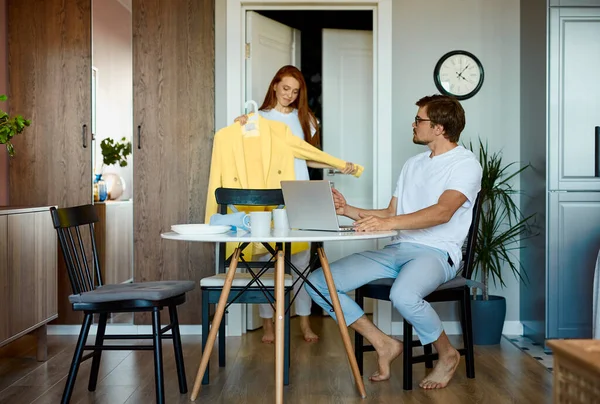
(419, 141)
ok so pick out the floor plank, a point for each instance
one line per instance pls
(319, 374)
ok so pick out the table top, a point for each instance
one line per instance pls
(282, 236)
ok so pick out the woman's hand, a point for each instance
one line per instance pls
(349, 169)
(242, 119)
(339, 201)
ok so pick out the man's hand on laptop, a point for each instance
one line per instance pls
(339, 201)
(372, 223)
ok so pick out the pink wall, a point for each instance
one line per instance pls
(112, 56)
(4, 105)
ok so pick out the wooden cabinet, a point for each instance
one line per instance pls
(28, 272)
(174, 110)
(173, 83)
(50, 82)
(114, 240)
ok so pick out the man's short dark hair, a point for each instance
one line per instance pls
(446, 111)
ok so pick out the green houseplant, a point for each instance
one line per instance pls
(502, 227)
(113, 152)
(10, 126)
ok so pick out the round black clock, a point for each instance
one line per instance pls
(458, 73)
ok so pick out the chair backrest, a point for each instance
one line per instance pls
(70, 224)
(469, 255)
(245, 197)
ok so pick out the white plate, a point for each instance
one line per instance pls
(199, 229)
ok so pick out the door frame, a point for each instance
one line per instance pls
(235, 32)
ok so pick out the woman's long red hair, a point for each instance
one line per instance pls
(305, 115)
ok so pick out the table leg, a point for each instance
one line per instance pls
(279, 325)
(210, 342)
(335, 301)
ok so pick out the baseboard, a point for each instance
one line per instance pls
(453, 328)
(126, 329)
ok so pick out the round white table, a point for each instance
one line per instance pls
(279, 236)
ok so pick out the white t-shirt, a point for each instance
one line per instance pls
(291, 120)
(422, 181)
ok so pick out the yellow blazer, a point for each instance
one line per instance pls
(279, 146)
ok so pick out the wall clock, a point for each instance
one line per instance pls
(458, 73)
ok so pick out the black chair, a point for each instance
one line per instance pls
(91, 296)
(253, 287)
(456, 289)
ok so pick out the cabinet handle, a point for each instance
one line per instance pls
(84, 135)
(597, 153)
(139, 137)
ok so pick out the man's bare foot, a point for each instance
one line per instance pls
(442, 372)
(268, 332)
(309, 335)
(391, 350)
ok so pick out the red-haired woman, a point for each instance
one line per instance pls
(287, 101)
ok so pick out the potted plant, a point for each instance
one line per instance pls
(9, 127)
(113, 152)
(502, 227)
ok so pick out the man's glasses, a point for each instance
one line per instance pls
(418, 120)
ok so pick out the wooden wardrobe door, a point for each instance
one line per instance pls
(173, 74)
(49, 59)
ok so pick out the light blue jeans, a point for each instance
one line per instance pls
(418, 270)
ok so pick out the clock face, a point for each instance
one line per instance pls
(458, 73)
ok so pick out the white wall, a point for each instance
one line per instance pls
(112, 56)
(423, 32)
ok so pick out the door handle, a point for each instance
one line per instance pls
(333, 171)
(84, 136)
(597, 153)
(139, 137)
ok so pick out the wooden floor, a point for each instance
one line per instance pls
(319, 374)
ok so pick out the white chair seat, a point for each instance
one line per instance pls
(243, 279)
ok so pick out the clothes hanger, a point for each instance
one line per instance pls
(252, 123)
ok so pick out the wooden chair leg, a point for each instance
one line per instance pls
(98, 352)
(359, 341)
(178, 349)
(83, 334)
(428, 351)
(205, 328)
(407, 362)
(158, 364)
(468, 334)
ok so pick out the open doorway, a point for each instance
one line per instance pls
(112, 133)
(334, 51)
(230, 28)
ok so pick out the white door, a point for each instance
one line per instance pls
(348, 120)
(270, 45)
(348, 123)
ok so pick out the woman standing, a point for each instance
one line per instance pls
(286, 101)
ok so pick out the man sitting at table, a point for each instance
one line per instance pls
(432, 207)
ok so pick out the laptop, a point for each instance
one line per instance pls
(309, 206)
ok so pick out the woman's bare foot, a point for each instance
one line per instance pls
(385, 356)
(268, 332)
(442, 372)
(309, 335)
